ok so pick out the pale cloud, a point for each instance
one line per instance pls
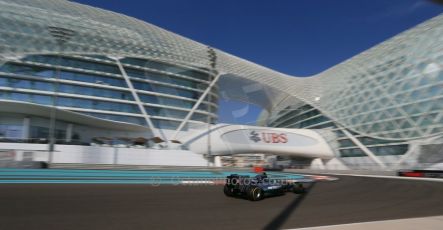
(399, 11)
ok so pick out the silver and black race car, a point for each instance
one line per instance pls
(258, 187)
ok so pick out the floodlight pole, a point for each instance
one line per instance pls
(213, 62)
(212, 57)
(61, 36)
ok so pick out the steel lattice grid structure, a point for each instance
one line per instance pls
(392, 91)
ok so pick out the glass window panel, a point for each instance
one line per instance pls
(389, 150)
(3, 81)
(200, 117)
(128, 119)
(97, 79)
(11, 131)
(20, 97)
(41, 99)
(346, 143)
(154, 111)
(84, 90)
(165, 124)
(73, 62)
(44, 86)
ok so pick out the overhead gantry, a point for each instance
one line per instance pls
(235, 139)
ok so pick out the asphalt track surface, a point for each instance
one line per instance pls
(119, 206)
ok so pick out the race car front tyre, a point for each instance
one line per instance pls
(298, 188)
(228, 191)
(256, 194)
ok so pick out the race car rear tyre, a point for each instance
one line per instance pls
(228, 191)
(298, 188)
(256, 194)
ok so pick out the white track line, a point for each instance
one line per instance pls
(197, 182)
(431, 222)
(322, 178)
(386, 177)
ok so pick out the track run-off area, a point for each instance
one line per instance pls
(104, 201)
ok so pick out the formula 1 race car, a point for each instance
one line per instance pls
(258, 187)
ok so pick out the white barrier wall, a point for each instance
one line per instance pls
(104, 155)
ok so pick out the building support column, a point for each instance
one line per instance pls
(69, 133)
(217, 161)
(26, 128)
(199, 101)
(363, 148)
(137, 99)
(317, 163)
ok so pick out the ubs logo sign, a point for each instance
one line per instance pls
(273, 138)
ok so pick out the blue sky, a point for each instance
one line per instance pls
(300, 38)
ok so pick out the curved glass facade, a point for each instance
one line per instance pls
(95, 86)
(308, 117)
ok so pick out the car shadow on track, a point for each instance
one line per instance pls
(281, 218)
